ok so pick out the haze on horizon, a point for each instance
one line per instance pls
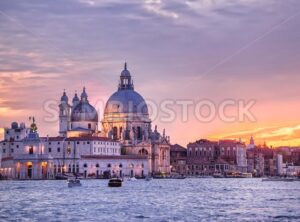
(178, 50)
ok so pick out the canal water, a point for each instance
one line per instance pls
(156, 200)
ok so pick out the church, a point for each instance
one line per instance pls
(123, 143)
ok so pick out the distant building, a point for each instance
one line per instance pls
(251, 144)
(255, 162)
(178, 156)
(206, 157)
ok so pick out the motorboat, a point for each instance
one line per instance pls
(148, 178)
(218, 175)
(74, 182)
(238, 175)
(61, 176)
(277, 179)
(246, 175)
(205, 177)
(115, 182)
(178, 177)
(131, 179)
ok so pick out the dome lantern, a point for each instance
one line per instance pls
(75, 100)
(125, 79)
(84, 95)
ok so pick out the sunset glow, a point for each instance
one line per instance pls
(224, 51)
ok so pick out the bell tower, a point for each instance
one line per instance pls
(64, 115)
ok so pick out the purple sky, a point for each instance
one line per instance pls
(209, 49)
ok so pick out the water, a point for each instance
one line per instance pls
(156, 200)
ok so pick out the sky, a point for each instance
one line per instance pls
(179, 50)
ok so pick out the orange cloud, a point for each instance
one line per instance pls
(284, 135)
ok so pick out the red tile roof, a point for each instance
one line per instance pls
(178, 148)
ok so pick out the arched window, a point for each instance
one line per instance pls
(121, 131)
(115, 133)
(109, 165)
(143, 152)
(139, 133)
(127, 134)
(85, 165)
(97, 165)
(89, 126)
(120, 165)
(31, 150)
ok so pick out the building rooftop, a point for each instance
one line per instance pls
(178, 148)
(81, 138)
(119, 157)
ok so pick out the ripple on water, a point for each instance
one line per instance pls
(157, 200)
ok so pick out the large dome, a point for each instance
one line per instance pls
(126, 101)
(84, 112)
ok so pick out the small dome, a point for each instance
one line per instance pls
(14, 125)
(84, 112)
(75, 98)
(126, 101)
(64, 97)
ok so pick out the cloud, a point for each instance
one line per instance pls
(158, 7)
(284, 135)
(46, 46)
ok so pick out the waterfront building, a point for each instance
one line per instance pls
(264, 161)
(178, 155)
(34, 157)
(206, 157)
(126, 146)
(22, 155)
(279, 164)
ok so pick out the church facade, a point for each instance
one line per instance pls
(126, 119)
(126, 145)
